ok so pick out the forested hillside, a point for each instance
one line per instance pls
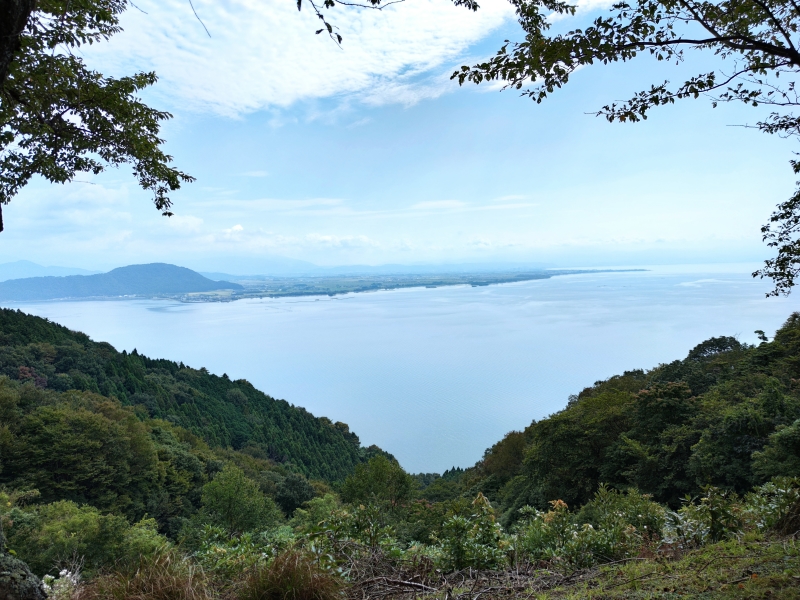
(127, 477)
(221, 412)
(727, 415)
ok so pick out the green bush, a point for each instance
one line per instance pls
(380, 481)
(363, 524)
(50, 536)
(781, 455)
(610, 508)
(716, 517)
(612, 526)
(312, 514)
(554, 535)
(227, 557)
(474, 540)
(292, 492)
(771, 505)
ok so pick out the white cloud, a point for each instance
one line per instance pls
(231, 233)
(251, 207)
(408, 91)
(263, 53)
(510, 198)
(345, 241)
(185, 223)
(438, 205)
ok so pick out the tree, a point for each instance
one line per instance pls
(233, 501)
(58, 117)
(292, 492)
(381, 481)
(759, 38)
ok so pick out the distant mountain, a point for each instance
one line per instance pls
(25, 268)
(135, 280)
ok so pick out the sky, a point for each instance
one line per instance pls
(370, 154)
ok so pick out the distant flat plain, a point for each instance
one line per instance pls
(435, 376)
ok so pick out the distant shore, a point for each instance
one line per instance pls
(280, 287)
(262, 286)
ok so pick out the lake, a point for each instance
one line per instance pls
(435, 376)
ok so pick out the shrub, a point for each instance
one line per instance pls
(227, 556)
(612, 526)
(292, 492)
(291, 575)
(313, 513)
(554, 535)
(717, 516)
(165, 576)
(51, 535)
(781, 455)
(775, 505)
(611, 509)
(380, 481)
(474, 540)
(64, 586)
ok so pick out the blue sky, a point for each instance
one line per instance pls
(370, 155)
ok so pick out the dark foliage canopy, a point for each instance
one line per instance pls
(58, 117)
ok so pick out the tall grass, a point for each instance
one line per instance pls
(291, 575)
(165, 576)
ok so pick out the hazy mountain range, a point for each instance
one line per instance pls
(135, 280)
(26, 268)
(277, 266)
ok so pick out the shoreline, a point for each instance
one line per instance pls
(331, 286)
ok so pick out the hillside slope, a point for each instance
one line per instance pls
(134, 280)
(222, 412)
(727, 415)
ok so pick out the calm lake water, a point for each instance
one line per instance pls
(436, 376)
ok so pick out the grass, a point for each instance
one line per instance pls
(166, 576)
(292, 575)
(752, 568)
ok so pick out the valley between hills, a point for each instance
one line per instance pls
(125, 476)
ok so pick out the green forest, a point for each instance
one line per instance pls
(224, 413)
(123, 476)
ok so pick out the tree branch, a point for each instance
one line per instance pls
(776, 22)
(14, 15)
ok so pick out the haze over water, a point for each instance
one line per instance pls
(435, 376)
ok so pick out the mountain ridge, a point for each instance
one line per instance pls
(133, 280)
(225, 413)
(25, 269)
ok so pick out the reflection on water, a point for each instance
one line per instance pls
(435, 376)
